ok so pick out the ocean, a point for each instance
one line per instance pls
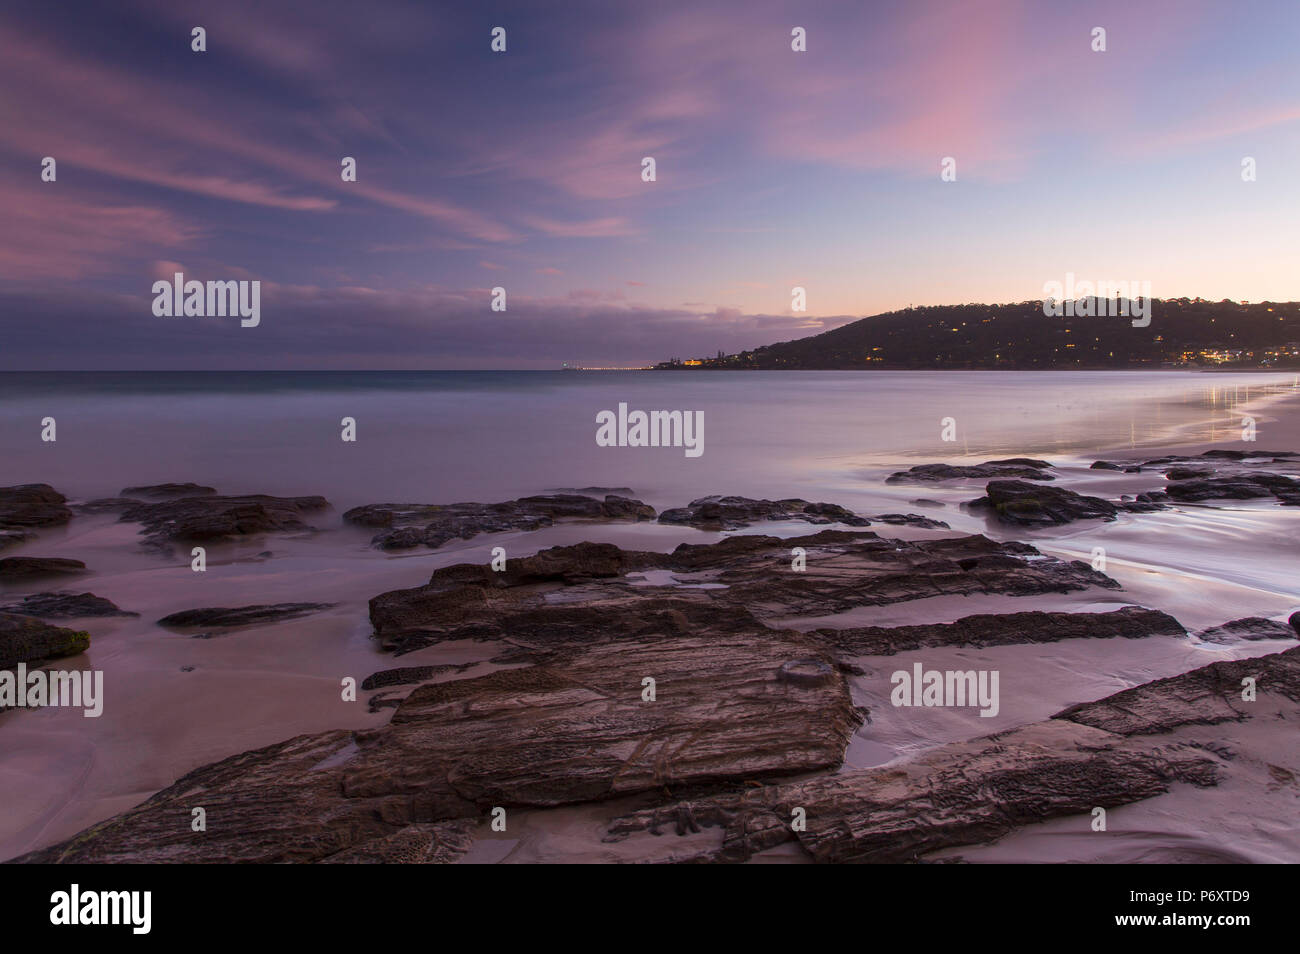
(445, 436)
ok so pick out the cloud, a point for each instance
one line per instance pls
(54, 232)
(306, 326)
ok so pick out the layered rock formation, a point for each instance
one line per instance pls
(1002, 629)
(1028, 505)
(1024, 468)
(32, 505)
(432, 525)
(52, 605)
(230, 617)
(28, 640)
(594, 591)
(21, 568)
(576, 729)
(1101, 754)
(206, 518)
(732, 513)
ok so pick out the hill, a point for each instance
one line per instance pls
(1183, 332)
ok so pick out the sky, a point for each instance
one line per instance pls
(522, 170)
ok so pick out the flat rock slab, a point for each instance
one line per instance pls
(733, 513)
(959, 794)
(431, 525)
(50, 605)
(1003, 629)
(21, 568)
(1024, 468)
(586, 592)
(573, 730)
(911, 520)
(1105, 753)
(216, 517)
(1249, 628)
(1244, 486)
(228, 617)
(26, 639)
(1028, 505)
(32, 505)
(1205, 696)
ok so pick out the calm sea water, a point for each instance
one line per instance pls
(448, 436)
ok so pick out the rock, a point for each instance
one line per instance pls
(18, 568)
(1023, 467)
(24, 639)
(1252, 627)
(571, 731)
(1206, 696)
(50, 605)
(1227, 457)
(1105, 465)
(106, 505)
(958, 794)
(1019, 462)
(1237, 487)
(32, 505)
(168, 491)
(911, 520)
(215, 517)
(1141, 506)
(1002, 629)
(242, 615)
(1111, 752)
(443, 843)
(410, 525)
(733, 513)
(927, 502)
(582, 593)
(11, 538)
(1027, 505)
(623, 508)
(1186, 473)
(410, 675)
(806, 672)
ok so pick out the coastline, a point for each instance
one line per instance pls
(262, 684)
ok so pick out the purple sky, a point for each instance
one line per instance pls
(522, 169)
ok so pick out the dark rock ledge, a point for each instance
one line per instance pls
(1105, 753)
(52, 605)
(1024, 468)
(228, 618)
(431, 525)
(584, 592)
(210, 517)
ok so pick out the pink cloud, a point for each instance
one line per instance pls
(607, 227)
(97, 118)
(54, 232)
